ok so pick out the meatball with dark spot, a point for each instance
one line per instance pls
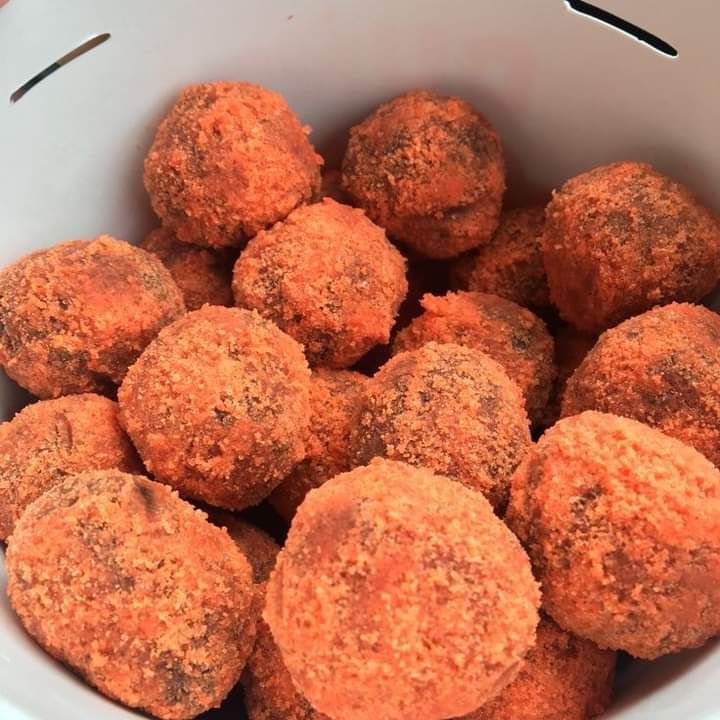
(660, 368)
(132, 588)
(506, 332)
(328, 277)
(51, 439)
(229, 159)
(204, 276)
(74, 317)
(218, 406)
(430, 170)
(622, 524)
(451, 409)
(622, 238)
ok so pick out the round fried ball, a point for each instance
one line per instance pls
(131, 587)
(429, 169)
(660, 368)
(451, 409)
(564, 678)
(622, 524)
(204, 276)
(400, 594)
(511, 264)
(622, 238)
(335, 401)
(218, 406)
(328, 277)
(506, 332)
(74, 317)
(51, 439)
(229, 159)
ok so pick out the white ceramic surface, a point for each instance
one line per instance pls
(565, 92)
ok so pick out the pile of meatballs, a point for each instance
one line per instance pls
(493, 432)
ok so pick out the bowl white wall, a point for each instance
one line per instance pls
(565, 92)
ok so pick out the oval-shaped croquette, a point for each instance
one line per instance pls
(506, 332)
(51, 439)
(622, 238)
(335, 402)
(218, 406)
(131, 587)
(204, 276)
(563, 678)
(400, 594)
(660, 368)
(622, 524)
(448, 408)
(74, 317)
(430, 170)
(229, 159)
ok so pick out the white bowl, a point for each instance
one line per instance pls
(566, 93)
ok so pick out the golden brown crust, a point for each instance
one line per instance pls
(660, 368)
(203, 275)
(229, 159)
(622, 524)
(328, 277)
(335, 403)
(217, 406)
(511, 264)
(506, 332)
(118, 578)
(51, 439)
(430, 170)
(74, 317)
(564, 678)
(400, 594)
(622, 238)
(451, 409)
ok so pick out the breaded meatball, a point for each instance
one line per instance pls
(229, 159)
(660, 368)
(328, 277)
(564, 678)
(622, 524)
(218, 406)
(51, 439)
(399, 594)
(622, 238)
(451, 409)
(132, 588)
(335, 402)
(429, 169)
(511, 264)
(506, 332)
(74, 317)
(204, 276)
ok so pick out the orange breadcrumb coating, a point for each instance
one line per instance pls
(204, 276)
(51, 439)
(399, 594)
(506, 332)
(564, 678)
(511, 264)
(331, 186)
(622, 238)
(229, 159)
(660, 368)
(622, 524)
(121, 580)
(430, 170)
(451, 409)
(328, 277)
(218, 406)
(335, 401)
(74, 317)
